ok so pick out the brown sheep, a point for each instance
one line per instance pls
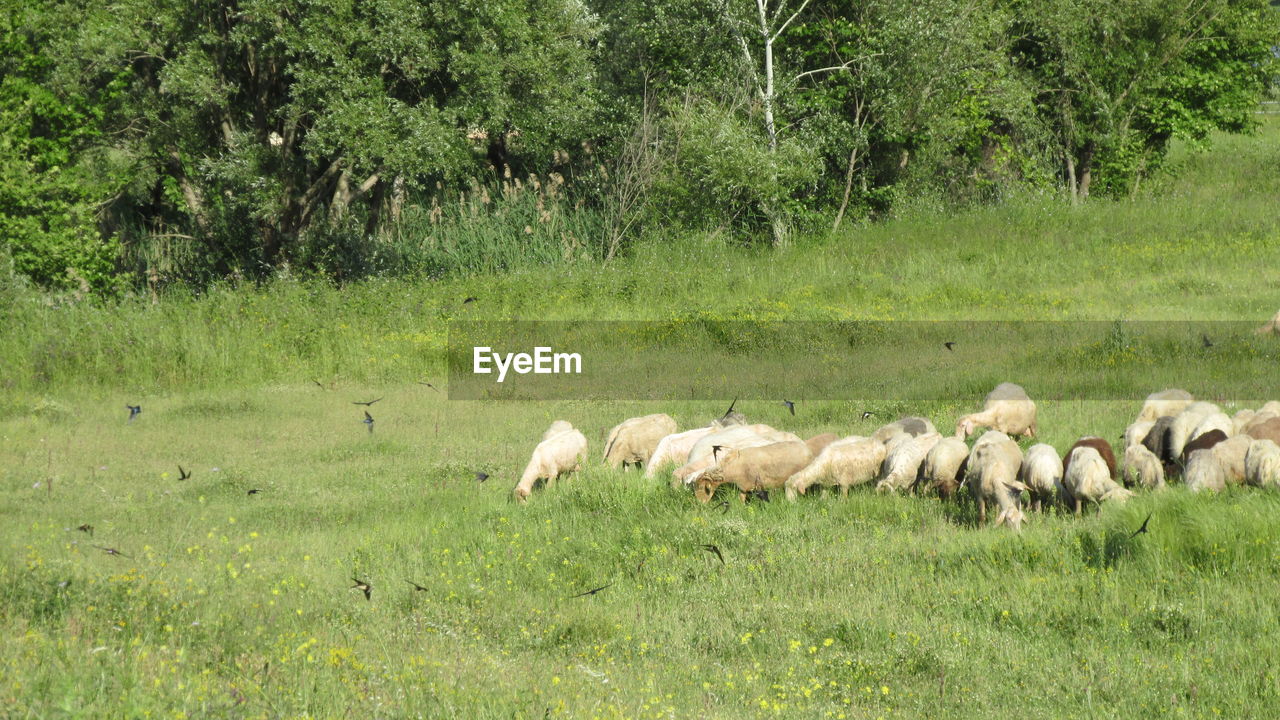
(1102, 446)
(1268, 429)
(1203, 442)
(757, 468)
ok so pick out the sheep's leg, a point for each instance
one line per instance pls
(1078, 506)
(982, 511)
(742, 496)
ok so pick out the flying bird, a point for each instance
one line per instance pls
(317, 382)
(722, 506)
(254, 491)
(790, 406)
(433, 387)
(366, 404)
(726, 412)
(110, 551)
(761, 495)
(363, 587)
(1142, 529)
(950, 345)
(482, 476)
(134, 411)
(416, 586)
(183, 474)
(866, 414)
(1207, 342)
(368, 420)
(469, 300)
(86, 528)
(713, 549)
(715, 452)
(590, 592)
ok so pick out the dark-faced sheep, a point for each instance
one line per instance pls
(633, 441)
(1101, 446)
(554, 457)
(844, 463)
(1007, 409)
(757, 468)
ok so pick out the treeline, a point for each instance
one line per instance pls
(147, 142)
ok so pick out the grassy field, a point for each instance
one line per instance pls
(229, 604)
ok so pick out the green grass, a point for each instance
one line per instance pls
(232, 605)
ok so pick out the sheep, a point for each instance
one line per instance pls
(1157, 440)
(1007, 409)
(818, 443)
(1241, 419)
(1213, 421)
(1041, 473)
(903, 464)
(1272, 406)
(675, 448)
(1262, 464)
(1203, 442)
(1166, 402)
(944, 467)
(633, 441)
(1142, 468)
(1215, 468)
(1086, 478)
(851, 461)
(1268, 429)
(912, 426)
(556, 428)
(1137, 432)
(1272, 327)
(1101, 446)
(1184, 423)
(757, 468)
(738, 436)
(554, 457)
(1230, 454)
(993, 478)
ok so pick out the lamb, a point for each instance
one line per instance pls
(1007, 409)
(1166, 402)
(1101, 446)
(738, 436)
(1142, 468)
(757, 468)
(818, 443)
(1184, 424)
(903, 464)
(1204, 442)
(1041, 473)
(1087, 478)
(993, 478)
(1262, 464)
(1268, 429)
(633, 441)
(944, 467)
(1137, 432)
(557, 455)
(844, 463)
(675, 448)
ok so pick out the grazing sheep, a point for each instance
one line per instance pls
(844, 463)
(738, 436)
(818, 443)
(1007, 409)
(1142, 468)
(757, 468)
(1213, 421)
(993, 478)
(1184, 424)
(1166, 402)
(902, 464)
(556, 428)
(675, 448)
(1272, 327)
(1087, 478)
(1203, 442)
(1137, 432)
(1272, 406)
(1157, 440)
(558, 455)
(1041, 473)
(633, 441)
(1262, 464)
(944, 467)
(729, 419)
(1268, 429)
(1104, 450)
(1230, 454)
(1219, 466)
(913, 426)
(1241, 419)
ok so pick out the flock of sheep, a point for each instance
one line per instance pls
(1173, 435)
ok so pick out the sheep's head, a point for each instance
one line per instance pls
(1031, 431)
(1013, 517)
(521, 494)
(965, 427)
(705, 487)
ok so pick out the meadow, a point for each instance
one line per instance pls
(220, 602)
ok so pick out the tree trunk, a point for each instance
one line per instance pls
(191, 194)
(1086, 167)
(848, 187)
(1070, 158)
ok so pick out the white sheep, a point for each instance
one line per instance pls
(902, 464)
(944, 467)
(1262, 464)
(1142, 468)
(1137, 431)
(1240, 420)
(559, 454)
(633, 440)
(738, 437)
(675, 448)
(1089, 479)
(1007, 408)
(1272, 406)
(556, 428)
(1184, 424)
(847, 462)
(1213, 421)
(993, 478)
(1166, 402)
(1215, 468)
(1041, 473)
(757, 468)
(909, 425)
